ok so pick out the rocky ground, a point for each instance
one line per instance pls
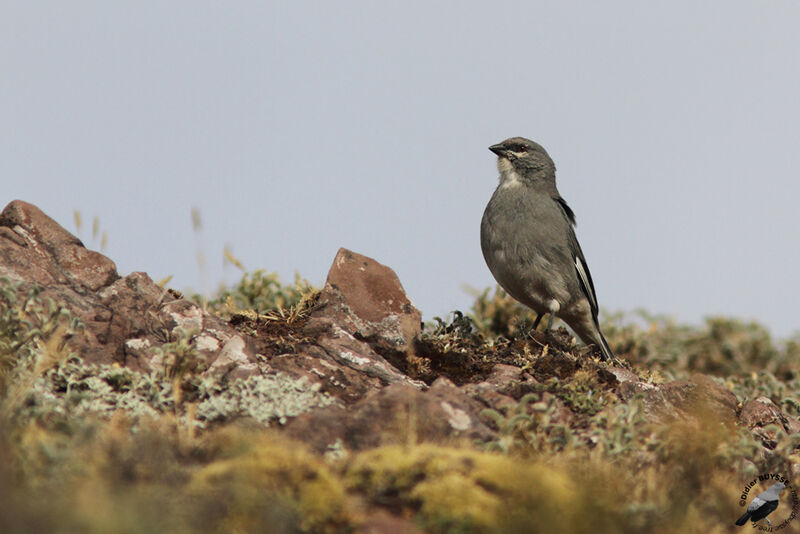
(339, 412)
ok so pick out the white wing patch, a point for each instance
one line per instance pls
(585, 281)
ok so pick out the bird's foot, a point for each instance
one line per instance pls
(536, 321)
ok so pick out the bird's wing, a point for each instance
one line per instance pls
(567, 210)
(586, 282)
(757, 503)
(581, 268)
(764, 510)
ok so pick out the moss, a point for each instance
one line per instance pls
(459, 490)
(269, 471)
(157, 477)
(456, 490)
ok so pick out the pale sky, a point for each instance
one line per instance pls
(297, 128)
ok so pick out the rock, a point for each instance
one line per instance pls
(682, 399)
(340, 381)
(503, 388)
(502, 374)
(381, 522)
(758, 414)
(125, 319)
(343, 348)
(47, 252)
(621, 374)
(366, 300)
(395, 414)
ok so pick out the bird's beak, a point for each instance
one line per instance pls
(498, 149)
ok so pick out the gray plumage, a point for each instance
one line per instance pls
(763, 505)
(528, 242)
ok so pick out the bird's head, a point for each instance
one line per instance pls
(523, 157)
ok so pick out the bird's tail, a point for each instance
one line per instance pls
(742, 520)
(604, 348)
(601, 342)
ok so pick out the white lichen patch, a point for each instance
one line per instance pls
(189, 319)
(352, 358)
(456, 417)
(207, 343)
(233, 354)
(137, 344)
(75, 388)
(219, 334)
(264, 398)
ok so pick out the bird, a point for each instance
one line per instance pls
(529, 244)
(763, 505)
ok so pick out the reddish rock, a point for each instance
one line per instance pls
(341, 381)
(761, 413)
(395, 414)
(50, 248)
(502, 374)
(367, 300)
(125, 319)
(682, 398)
(36, 224)
(503, 388)
(344, 349)
(621, 374)
(383, 523)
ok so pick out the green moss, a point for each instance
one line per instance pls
(244, 487)
(156, 477)
(457, 490)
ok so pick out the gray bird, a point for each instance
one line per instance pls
(763, 505)
(528, 242)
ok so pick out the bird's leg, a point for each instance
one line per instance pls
(553, 306)
(536, 322)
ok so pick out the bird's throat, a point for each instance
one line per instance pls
(509, 177)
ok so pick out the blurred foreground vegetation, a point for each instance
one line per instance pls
(110, 471)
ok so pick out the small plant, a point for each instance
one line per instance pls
(261, 293)
(496, 314)
(34, 332)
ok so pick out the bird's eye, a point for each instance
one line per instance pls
(522, 148)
